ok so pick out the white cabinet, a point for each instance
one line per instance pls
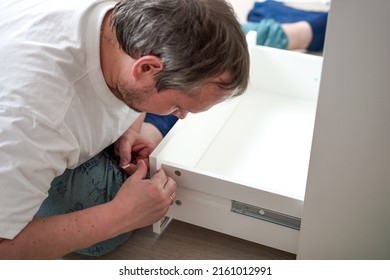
(347, 202)
(241, 167)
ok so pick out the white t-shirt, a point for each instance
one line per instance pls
(56, 110)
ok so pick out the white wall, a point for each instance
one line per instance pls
(242, 8)
(347, 204)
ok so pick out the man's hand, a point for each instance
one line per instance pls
(141, 202)
(131, 147)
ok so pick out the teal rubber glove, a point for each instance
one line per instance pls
(269, 33)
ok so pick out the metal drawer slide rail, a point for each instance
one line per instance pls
(266, 215)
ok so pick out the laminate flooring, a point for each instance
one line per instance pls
(183, 241)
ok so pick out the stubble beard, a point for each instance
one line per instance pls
(135, 98)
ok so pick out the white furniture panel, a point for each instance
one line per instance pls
(241, 167)
(347, 203)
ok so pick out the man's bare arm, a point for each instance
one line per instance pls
(56, 236)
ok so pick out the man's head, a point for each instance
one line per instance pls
(192, 47)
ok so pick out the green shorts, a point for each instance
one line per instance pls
(95, 182)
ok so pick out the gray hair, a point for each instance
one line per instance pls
(195, 40)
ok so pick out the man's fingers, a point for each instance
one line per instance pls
(141, 170)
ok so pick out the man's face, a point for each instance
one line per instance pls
(173, 101)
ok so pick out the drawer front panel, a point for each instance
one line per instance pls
(215, 213)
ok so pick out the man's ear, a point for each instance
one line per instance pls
(146, 67)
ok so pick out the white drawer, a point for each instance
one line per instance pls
(241, 167)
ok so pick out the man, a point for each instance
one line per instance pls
(75, 75)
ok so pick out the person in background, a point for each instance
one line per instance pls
(76, 80)
(280, 26)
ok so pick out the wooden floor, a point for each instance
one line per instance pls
(182, 241)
